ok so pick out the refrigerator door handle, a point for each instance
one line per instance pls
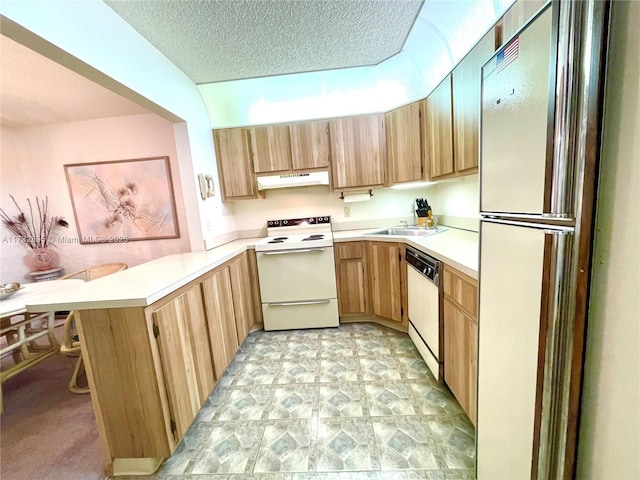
(556, 350)
(547, 227)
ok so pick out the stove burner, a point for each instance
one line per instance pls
(280, 238)
(313, 237)
(275, 241)
(316, 235)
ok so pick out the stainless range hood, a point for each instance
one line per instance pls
(293, 180)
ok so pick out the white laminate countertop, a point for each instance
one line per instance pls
(147, 283)
(456, 247)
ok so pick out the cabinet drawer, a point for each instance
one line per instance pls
(348, 251)
(462, 289)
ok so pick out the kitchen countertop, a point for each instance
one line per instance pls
(147, 283)
(456, 247)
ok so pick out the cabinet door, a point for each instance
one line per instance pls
(385, 276)
(270, 148)
(309, 145)
(185, 355)
(358, 151)
(438, 130)
(242, 297)
(218, 300)
(235, 166)
(404, 153)
(466, 103)
(456, 361)
(351, 287)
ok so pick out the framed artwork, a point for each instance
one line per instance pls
(123, 200)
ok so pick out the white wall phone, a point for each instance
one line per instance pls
(207, 188)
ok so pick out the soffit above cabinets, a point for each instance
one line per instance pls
(222, 40)
(38, 91)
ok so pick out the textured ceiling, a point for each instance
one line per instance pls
(214, 41)
(37, 91)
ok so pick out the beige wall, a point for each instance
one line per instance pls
(32, 162)
(609, 443)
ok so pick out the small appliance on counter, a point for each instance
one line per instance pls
(297, 274)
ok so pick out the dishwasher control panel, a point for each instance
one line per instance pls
(425, 264)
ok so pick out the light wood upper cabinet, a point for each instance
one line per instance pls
(270, 148)
(515, 18)
(235, 166)
(387, 280)
(404, 151)
(185, 354)
(358, 151)
(461, 338)
(220, 314)
(309, 145)
(351, 271)
(467, 103)
(438, 130)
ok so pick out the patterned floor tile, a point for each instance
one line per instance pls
(373, 345)
(261, 373)
(380, 368)
(346, 369)
(294, 401)
(390, 398)
(434, 398)
(337, 347)
(287, 446)
(302, 348)
(405, 443)
(456, 440)
(346, 445)
(246, 403)
(299, 370)
(366, 329)
(414, 367)
(231, 448)
(342, 400)
(402, 345)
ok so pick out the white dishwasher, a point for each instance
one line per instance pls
(425, 317)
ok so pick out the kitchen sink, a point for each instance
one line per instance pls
(408, 231)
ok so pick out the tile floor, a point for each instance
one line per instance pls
(354, 402)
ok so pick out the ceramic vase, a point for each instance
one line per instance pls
(42, 259)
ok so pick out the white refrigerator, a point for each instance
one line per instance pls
(540, 124)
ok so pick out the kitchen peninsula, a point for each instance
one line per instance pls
(157, 337)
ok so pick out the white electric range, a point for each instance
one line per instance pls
(296, 269)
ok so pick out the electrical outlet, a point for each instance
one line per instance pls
(347, 210)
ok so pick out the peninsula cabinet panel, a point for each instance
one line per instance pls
(126, 382)
(466, 103)
(309, 145)
(235, 166)
(270, 148)
(256, 300)
(185, 354)
(242, 295)
(386, 280)
(352, 278)
(438, 130)
(358, 151)
(220, 314)
(404, 151)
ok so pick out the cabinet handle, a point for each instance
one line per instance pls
(288, 304)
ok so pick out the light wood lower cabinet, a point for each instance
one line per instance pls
(351, 271)
(185, 353)
(150, 369)
(461, 338)
(387, 278)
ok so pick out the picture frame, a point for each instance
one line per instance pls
(123, 200)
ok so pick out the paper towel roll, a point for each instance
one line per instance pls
(357, 197)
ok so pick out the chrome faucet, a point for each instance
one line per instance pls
(406, 224)
(415, 220)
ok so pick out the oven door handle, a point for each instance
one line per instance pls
(288, 304)
(297, 250)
